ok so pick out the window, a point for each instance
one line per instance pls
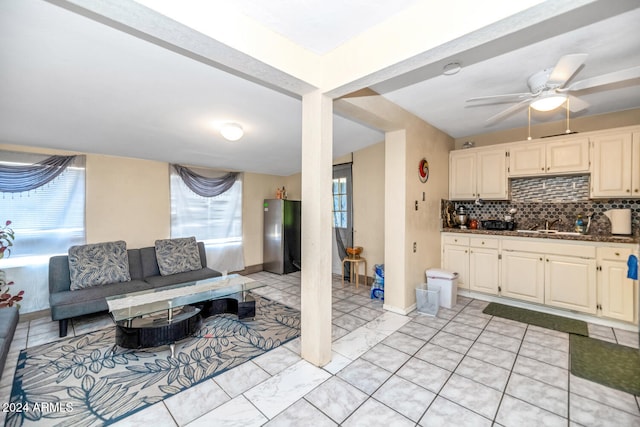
(340, 205)
(46, 222)
(216, 221)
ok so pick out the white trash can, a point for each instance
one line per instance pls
(428, 299)
(448, 283)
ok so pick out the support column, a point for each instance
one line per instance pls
(317, 140)
(395, 205)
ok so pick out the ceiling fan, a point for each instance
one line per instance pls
(548, 90)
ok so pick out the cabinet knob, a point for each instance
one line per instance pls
(627, 190)
(548, 167)
(547, 259)
(455, 240)
(483, 243)
(635, 191)
(465, 251)
(617, 253)
(542, 169)
(540, 258)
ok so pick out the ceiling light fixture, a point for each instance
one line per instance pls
(451, 68)
(231, 131)
(548, 102)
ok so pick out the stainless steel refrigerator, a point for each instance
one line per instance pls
(281, 245)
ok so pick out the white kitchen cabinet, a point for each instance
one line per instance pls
(483, 270)
(570, 283)
(615, 170)
(478, 174)
(462, 175)
(527, 159)
(456, 258)
(567, 156)
(523, 276)
(616, 294)
(564, 156)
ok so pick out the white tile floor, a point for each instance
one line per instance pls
(461, 368)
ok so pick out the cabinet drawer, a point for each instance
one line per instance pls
(456, 240)
(548, 246)
(482, 242)
(614, 254)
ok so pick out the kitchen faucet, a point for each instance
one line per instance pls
(548, 224)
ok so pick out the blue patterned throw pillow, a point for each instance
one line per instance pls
(98, 264)
(177, 255)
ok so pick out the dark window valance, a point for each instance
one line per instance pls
(19, 178)
(203, 186)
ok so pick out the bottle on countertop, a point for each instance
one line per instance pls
(580, 225)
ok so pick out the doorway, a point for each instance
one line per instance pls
(342, 189)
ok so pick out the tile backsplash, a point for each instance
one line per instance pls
(557, 198)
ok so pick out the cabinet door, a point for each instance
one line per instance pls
(462, 175)
(611, 166)
(523, 276)
(568, 156)
(527, 160)
(570, 283)
(492, 175)
(635, 166)
(617, 292)
(456, 259)
(483, 270)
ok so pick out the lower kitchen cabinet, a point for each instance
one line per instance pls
(523, 276)
(455, 257)
(617, 294)
(570, 282)
(577, 276)
(483, 270)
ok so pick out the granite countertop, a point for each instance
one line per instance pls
(583, 238)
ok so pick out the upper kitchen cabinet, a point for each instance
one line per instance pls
(527, 159)
(564, 156)
(475, 174)
(615, 170)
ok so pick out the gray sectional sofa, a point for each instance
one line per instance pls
(8, 323)
(144, 274)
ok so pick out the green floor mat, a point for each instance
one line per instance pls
(613, 365)
(543, 320)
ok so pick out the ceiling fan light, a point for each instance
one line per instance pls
(231, 131)
(548, 103)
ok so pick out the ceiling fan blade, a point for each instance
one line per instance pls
(605, 79)
(508, 111)
(576, 104)
(565, 68)
(513, 97)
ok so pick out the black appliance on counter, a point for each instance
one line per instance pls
(495, 224)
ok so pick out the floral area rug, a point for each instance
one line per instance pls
(86, 381)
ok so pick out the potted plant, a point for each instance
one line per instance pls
(6, 241)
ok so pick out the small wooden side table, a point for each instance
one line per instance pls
(355, 264)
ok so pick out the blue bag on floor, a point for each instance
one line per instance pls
(377, 289)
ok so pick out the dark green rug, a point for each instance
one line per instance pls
(609, 364)
(543, 320)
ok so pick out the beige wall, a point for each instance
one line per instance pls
(368, 203)
(423, 225)
(583, 124)
(409, 139)
(127, 199)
